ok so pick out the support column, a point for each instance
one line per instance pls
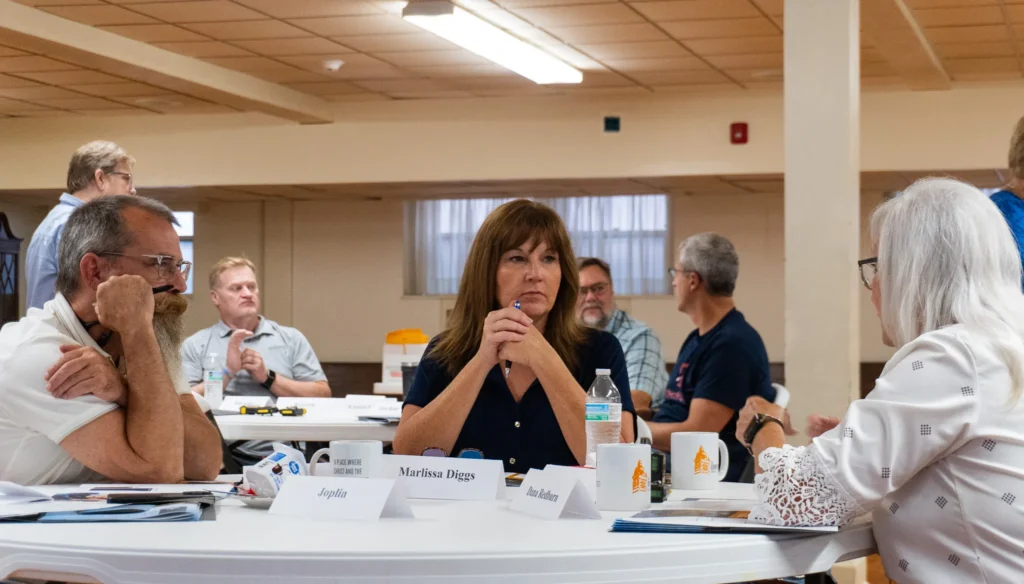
(822, 205)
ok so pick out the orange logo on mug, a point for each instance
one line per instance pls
(639, 477)
(701, 462)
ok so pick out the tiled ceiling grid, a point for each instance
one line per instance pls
(661, 45)
(672, 185)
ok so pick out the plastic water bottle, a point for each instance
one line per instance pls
(604, 414)
(213, 380)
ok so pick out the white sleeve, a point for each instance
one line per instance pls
(27, 401)
(922, 408)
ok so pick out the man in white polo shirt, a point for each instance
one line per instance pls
(90, 385)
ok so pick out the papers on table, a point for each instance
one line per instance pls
(88, 503)
(722, 492)
(703, 521)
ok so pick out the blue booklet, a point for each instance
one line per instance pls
(704, 521)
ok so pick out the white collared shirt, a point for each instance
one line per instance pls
(935, 452)
(32, 422)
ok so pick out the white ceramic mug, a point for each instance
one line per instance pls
(623, 477)
(351, 459)
(695, 462)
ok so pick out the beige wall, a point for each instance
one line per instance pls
(491, 139)
(23, 219)
(345, 261)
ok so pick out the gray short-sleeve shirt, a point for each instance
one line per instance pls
(284, 350)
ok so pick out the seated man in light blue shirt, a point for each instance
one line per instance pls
(645, 364)
(258, 356)
(97, 169)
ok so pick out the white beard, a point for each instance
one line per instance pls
(170, 334)
(598, 321)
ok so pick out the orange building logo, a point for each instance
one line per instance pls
(639, 477)
(701, 462)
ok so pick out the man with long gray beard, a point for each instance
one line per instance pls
(91, 385)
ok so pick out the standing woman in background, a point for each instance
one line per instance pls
(1010, 200)
(461, 399)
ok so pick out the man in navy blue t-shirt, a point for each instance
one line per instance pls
(720, 364)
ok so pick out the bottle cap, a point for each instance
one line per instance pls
(604, 371)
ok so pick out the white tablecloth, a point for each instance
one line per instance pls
(448, 542)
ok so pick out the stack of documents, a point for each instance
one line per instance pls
(90, 504)
(703, 521)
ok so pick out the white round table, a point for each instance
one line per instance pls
(301, 429)
(447, 542)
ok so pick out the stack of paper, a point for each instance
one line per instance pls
(703, 521)
(88, 503)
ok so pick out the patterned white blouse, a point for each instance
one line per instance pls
(935, 452)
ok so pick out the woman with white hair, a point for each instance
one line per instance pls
(936, 450)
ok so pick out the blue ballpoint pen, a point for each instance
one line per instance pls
(508, 364)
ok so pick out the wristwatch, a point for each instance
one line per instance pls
(755, 426)
(271, 377)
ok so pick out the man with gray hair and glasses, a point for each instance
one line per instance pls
(97, 169)
(91, 385)
(720, 364)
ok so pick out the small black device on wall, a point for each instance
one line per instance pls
(612, 124)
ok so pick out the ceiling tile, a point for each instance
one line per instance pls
(644, 50)
(309, 8)
(871, 55)
(99, 15)
(247, 64)
(326, 88)
(949, 3)
(762, 61)
(67, 78)
(967, 67)
(1016, 13)
(290, 75)
(373, 43)
(9, 52)
(154, 33)
(967, 34)
(32, 64)
(355, 25)
(563, 16)
(36, 93)
(597, 79)
(875, 69)
(198, 11)
(357, 97)
(975, 50)
(56, 2)
(431, 58)
(292, 47)
(770, 7)
(248, 30)
(736, 46)
(393, 86)
(10, 81)
(655, 78)
(203, 49)
(608, 33)
(357, 66)
(121, 90)
(721, 29)
(13, 106)
(659, 64)
(696, 9)
(80, 103)
(933, 17)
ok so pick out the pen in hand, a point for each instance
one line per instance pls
(508, 364)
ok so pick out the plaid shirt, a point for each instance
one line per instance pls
(644, 361)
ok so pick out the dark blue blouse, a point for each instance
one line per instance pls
(522, 435)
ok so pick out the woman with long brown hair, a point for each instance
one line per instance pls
(462, 400)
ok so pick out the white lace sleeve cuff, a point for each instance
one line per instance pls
(795, 488)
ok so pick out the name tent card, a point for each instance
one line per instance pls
(456, 479)
(554, 495)
(341, 499)
(588, 476)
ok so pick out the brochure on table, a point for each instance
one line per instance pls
(703, 521)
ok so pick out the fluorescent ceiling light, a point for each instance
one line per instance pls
(490, 42)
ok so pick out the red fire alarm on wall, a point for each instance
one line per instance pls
(738, 133)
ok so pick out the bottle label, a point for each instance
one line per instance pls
(600, 412)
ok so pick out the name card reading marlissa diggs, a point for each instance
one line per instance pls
(458, 479)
